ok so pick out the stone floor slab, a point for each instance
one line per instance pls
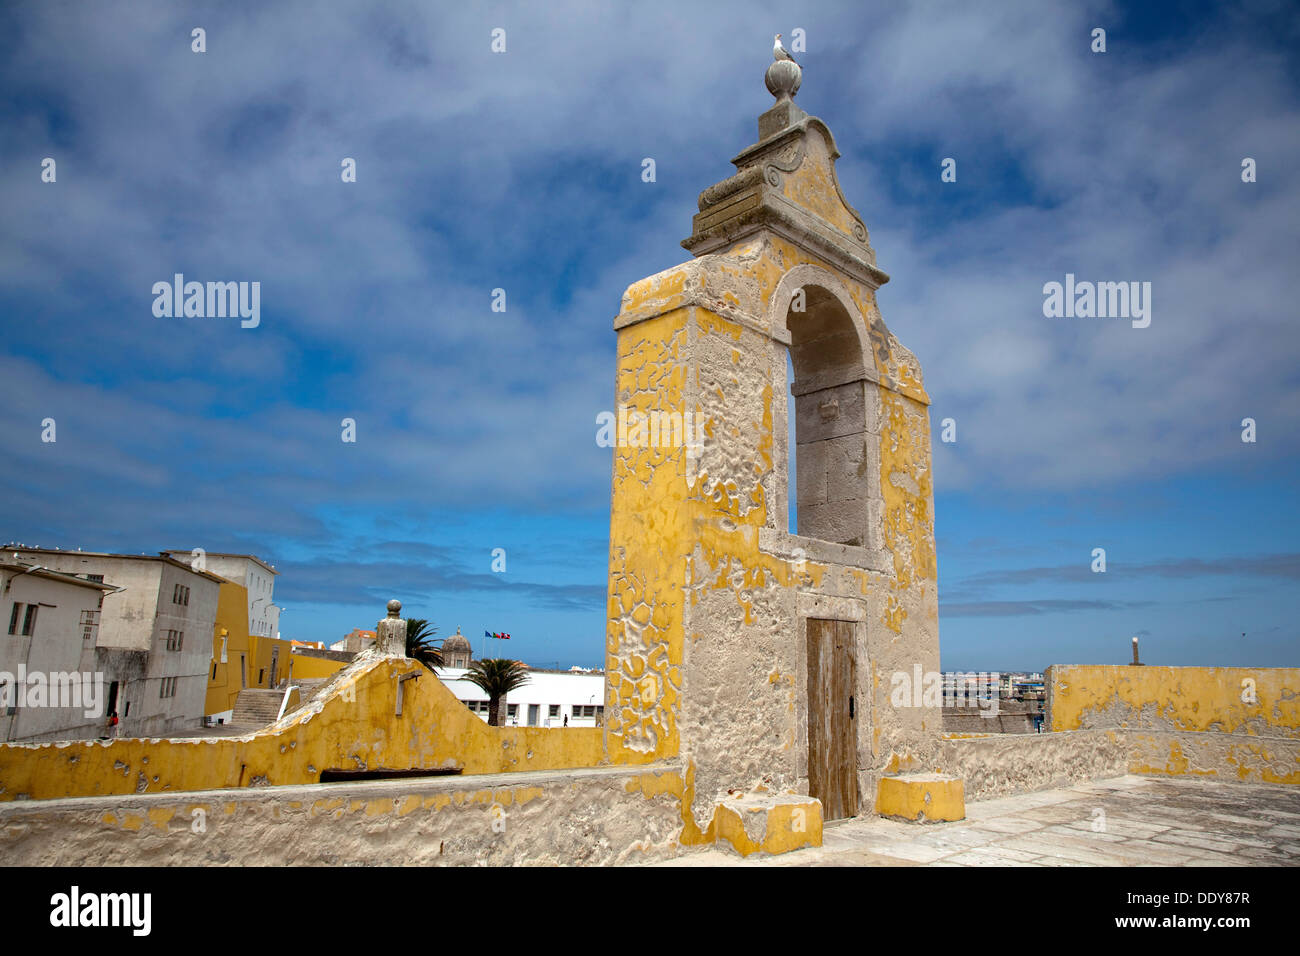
(1149, 821)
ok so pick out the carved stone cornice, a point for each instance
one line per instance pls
(786, 183)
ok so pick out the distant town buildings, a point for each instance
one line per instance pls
(993, 702)
(959, 686)
(355, 642)
(169, 643)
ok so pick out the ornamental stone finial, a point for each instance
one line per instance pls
(390, 633)
(783, 78)
(785, 185)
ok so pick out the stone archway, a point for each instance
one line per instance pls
(835, 408)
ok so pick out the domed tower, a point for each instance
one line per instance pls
(456, 651)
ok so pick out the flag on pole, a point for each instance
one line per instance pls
(503, 636)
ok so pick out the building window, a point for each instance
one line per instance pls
(261, 675)
(512, 710)
(168, 688)
(29, 619)
(181, 595)
(89, 621)
(175, 639)
(214, 672)
(97, 578)
(13, 618)
(554, 711)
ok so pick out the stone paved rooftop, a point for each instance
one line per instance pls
(1143, 821)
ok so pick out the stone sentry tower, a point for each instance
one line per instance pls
(747, 656)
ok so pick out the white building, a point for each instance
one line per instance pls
(257, 577)
(51, 684)
(549, 699)
(967, 688)
(154, 633)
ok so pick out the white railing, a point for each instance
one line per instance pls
(285, 702)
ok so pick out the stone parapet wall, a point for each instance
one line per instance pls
(593, 817)
(1003, 764)
(598, 816)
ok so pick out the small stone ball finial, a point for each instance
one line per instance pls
(783, 78)
(394, 608)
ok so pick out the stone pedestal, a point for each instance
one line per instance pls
(390, 633)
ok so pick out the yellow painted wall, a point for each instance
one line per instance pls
(1216, 699)
(311, 668)
(232, 621)
(649, 527)
(224, 681)
(351, 727)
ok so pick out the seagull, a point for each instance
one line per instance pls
(779, 52)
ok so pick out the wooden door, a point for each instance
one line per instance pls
(832, 718)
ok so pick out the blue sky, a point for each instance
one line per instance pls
(522, 170)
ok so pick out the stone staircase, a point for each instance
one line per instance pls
(256, 707)
(307, 688)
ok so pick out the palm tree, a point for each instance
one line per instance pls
(496, 677)
(420, 643)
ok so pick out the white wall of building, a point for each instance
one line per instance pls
(257, 578)
(579, 697)
(59, 644)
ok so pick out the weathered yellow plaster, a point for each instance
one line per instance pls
(1178, 698)
(921, 797)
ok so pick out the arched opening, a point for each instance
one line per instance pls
(830, 451)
